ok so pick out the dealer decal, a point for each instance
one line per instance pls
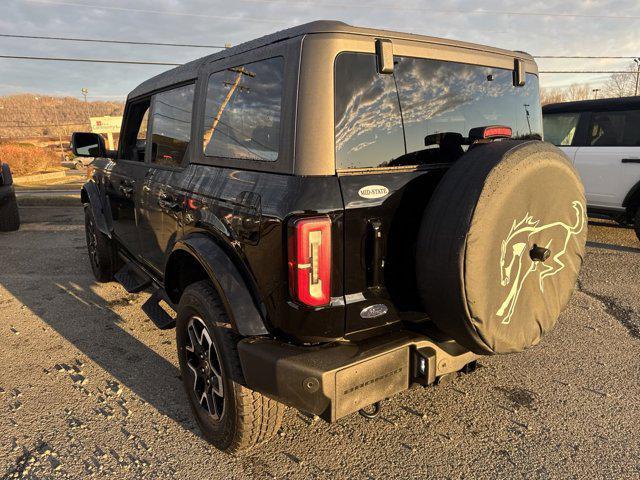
(373, 191)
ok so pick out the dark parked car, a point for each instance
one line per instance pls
(335, 214)
(9, 214)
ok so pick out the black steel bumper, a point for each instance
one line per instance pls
(338, 379)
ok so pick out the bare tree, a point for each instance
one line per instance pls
(551, 95)
(622, 84)
(577, 91)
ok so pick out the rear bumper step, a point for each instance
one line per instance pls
(338, 379)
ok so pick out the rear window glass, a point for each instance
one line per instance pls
(560, 128)
(384, 120)
(242, 115)
(614, 129)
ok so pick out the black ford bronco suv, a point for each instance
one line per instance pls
(335, 214)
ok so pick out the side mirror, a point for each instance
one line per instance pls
(85, 144)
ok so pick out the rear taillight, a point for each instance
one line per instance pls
(310, 260)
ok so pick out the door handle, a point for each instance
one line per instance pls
(374, 253)
(631, 160)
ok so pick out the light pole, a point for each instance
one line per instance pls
(637, 60)
(595, 92)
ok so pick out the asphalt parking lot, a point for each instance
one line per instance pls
(89, 387)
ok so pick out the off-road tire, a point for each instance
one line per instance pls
(104, 259)
(636, 223)
(248, 418)
(9, 215)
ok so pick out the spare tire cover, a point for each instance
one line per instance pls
(480, 257)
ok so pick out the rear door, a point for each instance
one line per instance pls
(609, 163)
(125, 176)
(165, 186)
(389, 162)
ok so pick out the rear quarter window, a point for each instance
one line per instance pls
(242, 113)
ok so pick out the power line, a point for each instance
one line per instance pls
(194, 45)
(342, 5)
(123, 42)
(138, 62)
(147, 11)
(89, 60)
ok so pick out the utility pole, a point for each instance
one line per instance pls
(85, 92)
(595, 92)
(526, 109)
(637, 60)
(233, 86)
(55, 111)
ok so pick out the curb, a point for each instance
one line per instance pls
(40, 176)
(53, 201)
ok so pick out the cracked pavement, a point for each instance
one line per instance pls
(89, 387)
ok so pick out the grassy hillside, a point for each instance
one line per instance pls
(29, 115)
(28, 159)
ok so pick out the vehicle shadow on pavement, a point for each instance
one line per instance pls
(608, 223)
(616, 248)
(56, 284)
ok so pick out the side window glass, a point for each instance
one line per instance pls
(242, 113)
(171, 125)
(368, 124)
(560, 128)
(134, 139)
(615, 129)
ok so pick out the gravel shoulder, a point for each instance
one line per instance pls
(89, 387)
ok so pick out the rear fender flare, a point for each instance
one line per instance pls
(91, 195)
(236, 296)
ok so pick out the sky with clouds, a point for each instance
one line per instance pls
(550, 27)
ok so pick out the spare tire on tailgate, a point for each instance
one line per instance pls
(501, 244)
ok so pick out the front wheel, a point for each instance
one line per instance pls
(231, 416)
(636, 223)
(102, 253)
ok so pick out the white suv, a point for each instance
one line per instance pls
(602, 138)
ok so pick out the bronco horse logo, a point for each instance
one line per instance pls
(516, 264)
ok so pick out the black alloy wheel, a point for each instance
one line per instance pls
(204, 362)
(92, 244)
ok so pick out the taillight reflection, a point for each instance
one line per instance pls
(310, 260)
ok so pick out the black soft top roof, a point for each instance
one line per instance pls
(602, 104)
(189, 70)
